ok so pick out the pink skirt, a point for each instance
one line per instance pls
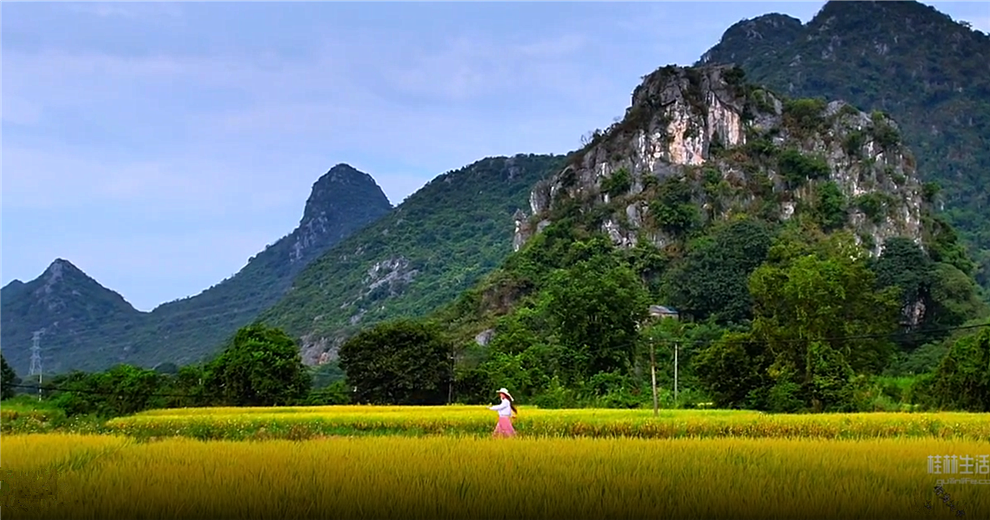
(504, 428)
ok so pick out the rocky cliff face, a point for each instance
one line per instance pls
(703, 137)
(328, 217)
(929, 72)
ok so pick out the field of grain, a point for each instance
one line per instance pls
(311, 422)
(112, 477)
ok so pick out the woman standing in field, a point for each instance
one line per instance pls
(505, 410)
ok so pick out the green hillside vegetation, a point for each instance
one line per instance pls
(765, 302)
(905, 59)
(437, 243)
(776, 314)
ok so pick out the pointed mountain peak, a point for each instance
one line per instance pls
(59, 268)
(341, 188)
(344, 173)
(12, 287)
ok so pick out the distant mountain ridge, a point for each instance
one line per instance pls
(89, 327)
(929, 73)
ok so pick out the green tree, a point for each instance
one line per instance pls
(7, 379)
(712, 280)
(903, 264)
(822, 320)
(831, 206)
(934, 295)
(402, 363)
(594, 309)
(734, 370)
(120, 390)
(673, 209)
(261, 366)
(954, 297)
(962, 380)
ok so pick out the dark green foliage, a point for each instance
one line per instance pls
(735, 76)
(760, 147)
(874, 205)
(326, 374)
(853, 144)
(121, 390)
(804, 116)
(905, 59)
(929, 191)
(260, 366)
(934, 295)
(831, 207)
(594, 308)
(883, 133)
(732, 369)
(806, 298)
(673, 208)
(618, 183)
(711, 282)
(336, 393)
(7, 379)
(796, 167)
(399, 363)
(904, 265)
(943, 244)
(167, 368)
(962, 380)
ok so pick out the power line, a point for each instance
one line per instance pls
(211, 395)
(105, 394)
(920, 332)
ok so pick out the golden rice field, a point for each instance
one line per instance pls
(443, 477)
(309, 422)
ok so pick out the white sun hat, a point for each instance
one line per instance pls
(506, 392)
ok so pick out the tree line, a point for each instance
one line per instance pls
(782, 321)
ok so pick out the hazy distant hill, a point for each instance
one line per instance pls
(87, 326)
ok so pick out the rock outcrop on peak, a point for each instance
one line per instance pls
(730, 147)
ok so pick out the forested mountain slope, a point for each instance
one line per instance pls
(438, 242)
(767, 222)
(931, 74)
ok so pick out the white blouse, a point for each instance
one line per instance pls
(504, 409)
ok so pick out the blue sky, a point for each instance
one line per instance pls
(159, 146)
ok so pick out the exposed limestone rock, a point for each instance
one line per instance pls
(691, 123)
(484, 337)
